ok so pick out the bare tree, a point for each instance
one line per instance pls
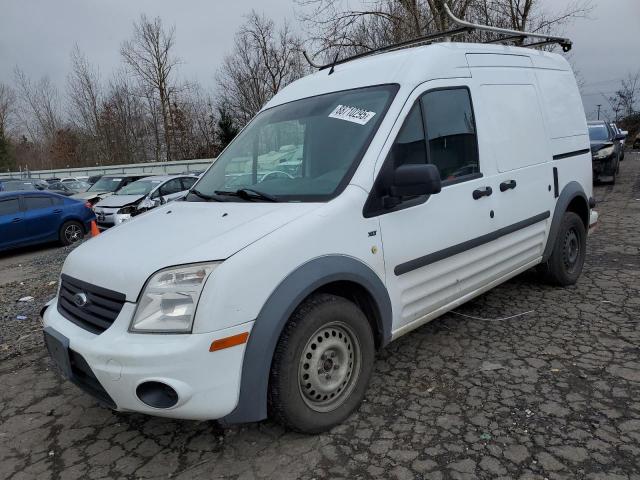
(335, 28)
(85, 96)
(627, 95)
(7, 104)
(264, 60)
(149, 56)
(7, 108)
(39, 107)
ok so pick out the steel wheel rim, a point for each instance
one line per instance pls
(571, 249)
(329, 367)
(72, 233)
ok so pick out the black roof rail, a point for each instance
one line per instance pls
(463, 27)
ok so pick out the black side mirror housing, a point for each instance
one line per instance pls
(619, 136)
(415, 179)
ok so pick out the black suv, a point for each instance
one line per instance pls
(606, 149)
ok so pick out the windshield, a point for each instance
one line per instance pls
(77, 186)
(598, 133)
(304, 150)
(106, 184)
(139, 187)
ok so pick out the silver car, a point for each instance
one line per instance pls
(140, 196)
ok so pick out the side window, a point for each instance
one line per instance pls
(37, 203)
(187, 182)
(451, 132)
(9, 206)
(172, 186)
(409, 146)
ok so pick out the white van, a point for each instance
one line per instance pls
(425, 177)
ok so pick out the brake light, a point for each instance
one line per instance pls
(88, 205)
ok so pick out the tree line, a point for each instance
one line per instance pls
(143, 112)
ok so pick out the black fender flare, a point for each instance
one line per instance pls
(570, 191)
(254, 383)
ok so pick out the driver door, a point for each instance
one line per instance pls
(431, 242)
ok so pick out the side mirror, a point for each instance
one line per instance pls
(416, 179)
(619, 136)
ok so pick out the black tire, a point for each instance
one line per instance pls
(564, 266)
(71, 232)
(323, 334)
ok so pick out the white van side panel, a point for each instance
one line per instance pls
(562, 103)
(519, 138)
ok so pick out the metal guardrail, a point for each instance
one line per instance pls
(152, 168)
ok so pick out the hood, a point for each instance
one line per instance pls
(119, 200)
(90, 195)
(124, 257)
(598, 144)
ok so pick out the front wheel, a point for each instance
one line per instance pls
(322, 364)
(71, 232)
(569, 251)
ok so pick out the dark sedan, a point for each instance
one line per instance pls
(30, 217)
(606, 147)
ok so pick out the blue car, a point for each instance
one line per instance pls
(28, 217)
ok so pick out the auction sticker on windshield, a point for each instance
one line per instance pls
(352, 114)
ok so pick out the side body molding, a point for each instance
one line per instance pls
(569, 192)
(252, 402)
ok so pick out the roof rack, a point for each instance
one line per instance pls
(463, 27)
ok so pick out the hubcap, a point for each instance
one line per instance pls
(329, 367)
(73, 233)
(571, 249)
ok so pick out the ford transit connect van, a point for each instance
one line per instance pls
(424, 177)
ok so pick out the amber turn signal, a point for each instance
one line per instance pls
(227, 342)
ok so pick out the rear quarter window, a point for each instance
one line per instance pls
(36, 203)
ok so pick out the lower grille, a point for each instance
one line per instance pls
(96, 309)
(84, 378)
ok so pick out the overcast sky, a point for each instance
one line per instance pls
(37, 35)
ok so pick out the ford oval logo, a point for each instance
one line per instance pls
(80, 299)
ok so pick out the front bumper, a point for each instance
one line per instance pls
(603, 166)
(207, 383)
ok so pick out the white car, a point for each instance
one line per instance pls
(139, 196)
(429, 175)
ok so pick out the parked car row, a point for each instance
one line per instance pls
(34, 211)
(607, 150)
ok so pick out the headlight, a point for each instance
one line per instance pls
(604, 152)
(124, 214)
(169, 299)
(126, 210)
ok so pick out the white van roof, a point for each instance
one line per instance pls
(409, 67)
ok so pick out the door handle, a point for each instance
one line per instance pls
(482, 192)
(57, 210)
(508, 185)
(16, 220)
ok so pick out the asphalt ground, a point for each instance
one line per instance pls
(527, 382)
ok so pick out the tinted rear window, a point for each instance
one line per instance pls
(9, 206)
(35, 203)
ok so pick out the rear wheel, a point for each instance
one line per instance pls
(71, 232)
(322, 364)
(569, 250)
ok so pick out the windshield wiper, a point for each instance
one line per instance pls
(249, 194)
(204, 196)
